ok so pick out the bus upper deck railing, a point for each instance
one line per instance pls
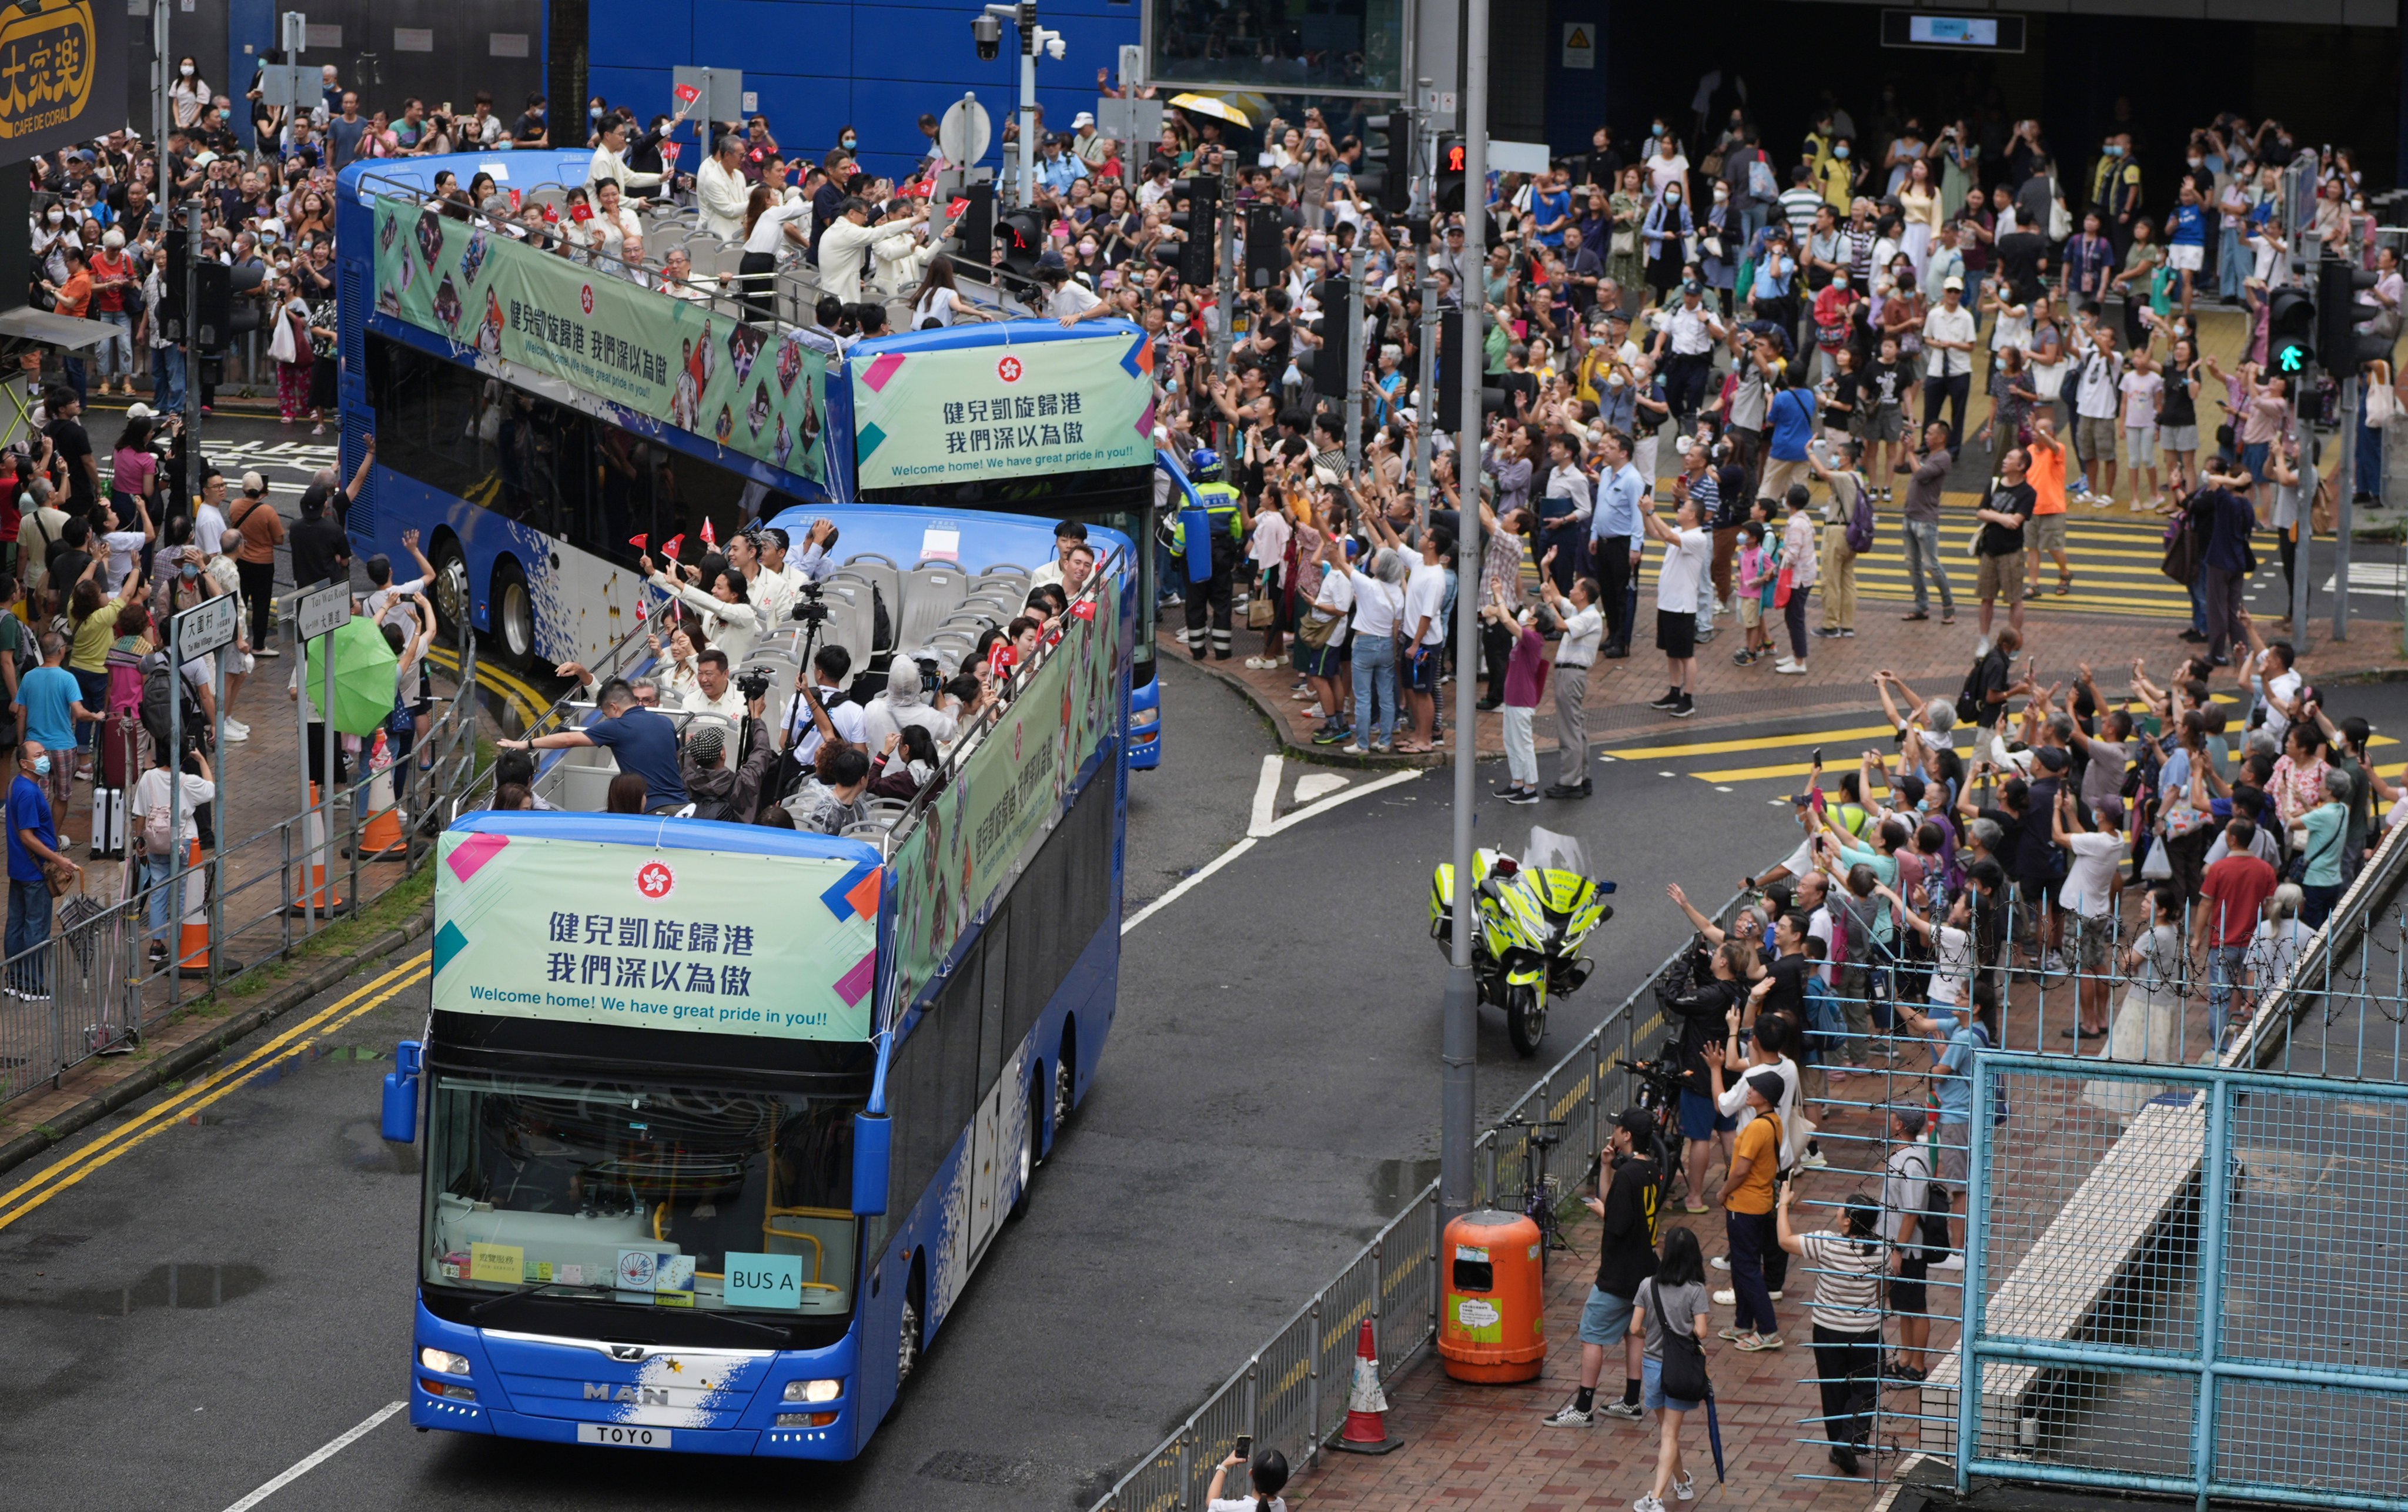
(791, 301)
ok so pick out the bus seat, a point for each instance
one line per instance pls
(580, 780)
(872, 831)
(1012, 588)
(929, 595)
(1002, 608)
(1011, 569)
(883, 575)
(953, 648)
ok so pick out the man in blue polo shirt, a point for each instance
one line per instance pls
(33, 842)
(1617, 537)
(641, 741)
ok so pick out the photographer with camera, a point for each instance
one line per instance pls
(720, 786)
(1625, 1257)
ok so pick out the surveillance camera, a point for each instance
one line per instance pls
(1053, 49)
(989, 33)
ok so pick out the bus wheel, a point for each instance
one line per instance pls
(1028, 1150)
(513, 616)
(907, 1347)
(1066, 1086)
(454, 602)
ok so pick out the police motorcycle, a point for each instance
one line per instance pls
(1534, 915)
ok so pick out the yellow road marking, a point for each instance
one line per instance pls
(523, 697)
(1719, 748)
(62, 1174)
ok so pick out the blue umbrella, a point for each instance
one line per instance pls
(1714, 1434)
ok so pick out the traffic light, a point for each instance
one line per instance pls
(974, 228)
(2291, 335)
(2339, 312)
(1266, 249)
(1197, 257)
(1390, 183)
(171, 308)
(1452, 161)
(225, 306)
(1331, 358)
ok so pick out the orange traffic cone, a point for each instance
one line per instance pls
(192, 937)
(313, 889)
(383, 836)
(1367, 1405)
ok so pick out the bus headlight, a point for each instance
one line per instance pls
(444, 1360)
(814, 1390)
(1141, 718)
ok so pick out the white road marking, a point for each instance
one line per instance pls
(1314, 785)
(1247, 844)
(331, 1447)
(1175, 894)
(1266, 797)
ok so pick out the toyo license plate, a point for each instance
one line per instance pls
(622, 1436)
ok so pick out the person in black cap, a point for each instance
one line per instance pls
(1747, 1211)
(1625, 1256)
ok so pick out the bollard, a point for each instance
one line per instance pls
(314, 889)
(383, 836)
(193, 951)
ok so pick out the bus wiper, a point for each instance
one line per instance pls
(480, 1309)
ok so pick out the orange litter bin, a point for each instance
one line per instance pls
(1493, 1323)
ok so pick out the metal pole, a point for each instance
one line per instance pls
(217, 852)
(2213, 1198)
(1357, 261)
(1426, 386)
(2345, 485)
(1225, 277)
(1028, 104)
(301, 746)
(2303, 539)
(161, 62)
(325, 846)
(191, 480)
(1460, 1033)
(175, 814)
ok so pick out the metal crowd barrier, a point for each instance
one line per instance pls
(1291, 1393)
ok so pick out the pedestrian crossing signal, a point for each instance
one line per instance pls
(2291, 334)
(1452, 163)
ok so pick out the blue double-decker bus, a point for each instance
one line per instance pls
(542, 421)
(719, 1119)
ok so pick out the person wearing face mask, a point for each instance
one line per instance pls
(2115, 190)
(188, 96)
(33, 849)
(1665, 236)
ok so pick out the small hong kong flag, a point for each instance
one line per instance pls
(670, 547)
(687, 94)
(709, 536)
(639, 542)
(957, 207)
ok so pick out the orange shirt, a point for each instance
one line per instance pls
(1760, 1144)
(2047, 478)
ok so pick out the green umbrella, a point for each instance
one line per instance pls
(366, 675)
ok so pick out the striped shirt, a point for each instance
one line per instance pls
(1799, 203)
(1847, 1282)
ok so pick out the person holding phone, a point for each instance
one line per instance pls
(1266, 1472)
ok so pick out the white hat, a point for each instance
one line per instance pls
(1084, 118)
(138, 410)
(254, 482)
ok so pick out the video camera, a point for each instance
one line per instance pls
(752, 683)
(808, 608)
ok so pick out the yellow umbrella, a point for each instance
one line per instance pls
(1207, 104)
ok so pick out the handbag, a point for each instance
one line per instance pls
(2060, 220)
(1684, 1374)
(1317, 628)
(1624, 242)
(2158, 866)
(279, 346)
(2382, 400)
(1782, 588)
(1260, 612)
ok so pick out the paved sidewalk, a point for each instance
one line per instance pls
(1486, 1448)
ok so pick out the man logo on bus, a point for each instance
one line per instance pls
(1007, 370)
(585, 297)
(653, 880)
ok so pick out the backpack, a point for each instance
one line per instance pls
(1860, 523)
(1969, 698)
(156, 675)
(1933, 1219)
(1825, 1025)
(1761, 183)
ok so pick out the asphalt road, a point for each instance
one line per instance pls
(206, 1306)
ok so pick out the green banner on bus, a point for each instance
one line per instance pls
(712, 941)
(1012, 789)
(1026, 407)
(652, 353)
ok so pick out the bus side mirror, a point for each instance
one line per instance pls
(873, 1135)
(401, 1093)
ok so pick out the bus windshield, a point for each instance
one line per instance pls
(640, 1194)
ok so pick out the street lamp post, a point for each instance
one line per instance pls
(1033, 40)
(1459, 1031)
